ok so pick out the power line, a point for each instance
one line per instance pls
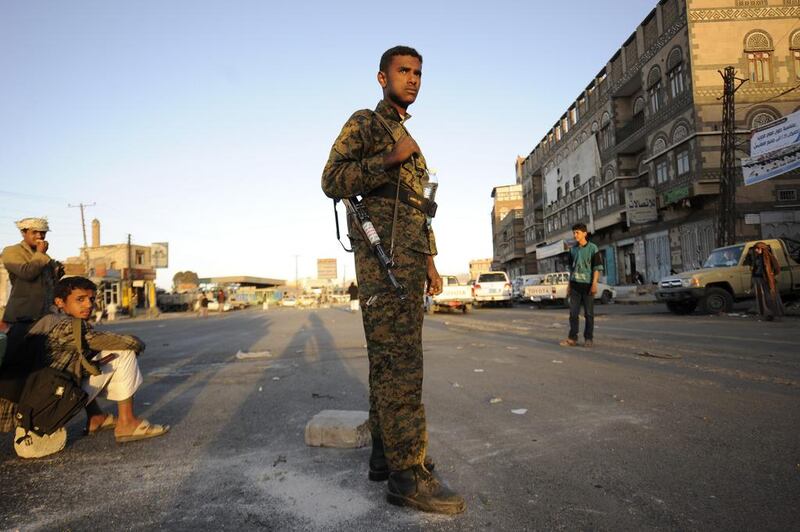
(784, 93)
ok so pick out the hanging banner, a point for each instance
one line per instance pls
(774, 150)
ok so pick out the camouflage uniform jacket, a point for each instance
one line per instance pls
(33, 276)
(55, 345)
(355, 167)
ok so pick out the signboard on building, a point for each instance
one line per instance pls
(326, 269)
(774, 150)
(551, 250)
(159, 254)
(641, 206)
(675, 194)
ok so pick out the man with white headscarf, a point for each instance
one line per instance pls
(32, 272)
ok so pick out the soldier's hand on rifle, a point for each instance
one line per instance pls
(434, 279)
(41, 246)
(403, 149)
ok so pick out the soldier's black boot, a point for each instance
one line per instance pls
(417, 488)
(379, 467)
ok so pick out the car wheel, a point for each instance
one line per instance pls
(717, 300)
(682, 307)
(605, 298)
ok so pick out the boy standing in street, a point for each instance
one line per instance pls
(586, 263)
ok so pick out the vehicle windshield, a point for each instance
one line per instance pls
(724, 257)
(492, 278)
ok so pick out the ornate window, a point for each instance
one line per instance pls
(654, 90)
(761, 118)
(638, 106)
(680, 133)
(675, 72)
(659, 145)
(795, 49)
(609, 174)
(758, 48)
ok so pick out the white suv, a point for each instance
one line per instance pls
(492, 287)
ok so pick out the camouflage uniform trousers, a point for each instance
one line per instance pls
(393, 328)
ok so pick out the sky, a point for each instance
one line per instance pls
(207, 124)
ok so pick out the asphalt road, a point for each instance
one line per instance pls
(668, 423)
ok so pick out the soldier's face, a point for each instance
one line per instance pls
(79, 303)
(31, 237)
(402, 80)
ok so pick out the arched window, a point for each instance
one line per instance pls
(659, 145)
(654, 90)
(795, 49)
(761, 118)
(675, 72)
(680, 133)
(609, 173)
(758, 47)
(638, 105)
(604, 137)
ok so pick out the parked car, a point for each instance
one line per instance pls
(288, 301)
(214, 305)
(492, 287)
(519, 284)
(725, 278)
(454, 295)
(553, 289)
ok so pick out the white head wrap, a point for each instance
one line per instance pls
(37, 224)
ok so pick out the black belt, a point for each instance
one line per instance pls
(407, 196)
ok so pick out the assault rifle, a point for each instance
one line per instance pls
(355, 209)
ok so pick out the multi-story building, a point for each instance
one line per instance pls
(646, 131)
(125, 273)
(507, 228)
(479, 266)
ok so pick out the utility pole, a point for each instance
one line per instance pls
(726, 209)
(130, 278)
(296, 283)
(82, 206)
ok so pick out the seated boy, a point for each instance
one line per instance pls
(113, 354)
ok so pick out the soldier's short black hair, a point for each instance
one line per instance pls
(580, 227)
(386, 58)
(66, 285)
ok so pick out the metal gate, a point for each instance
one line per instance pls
(658, 257)
(697, 241)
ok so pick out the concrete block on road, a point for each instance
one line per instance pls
(343, 429)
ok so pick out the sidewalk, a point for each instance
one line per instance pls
(635, 295)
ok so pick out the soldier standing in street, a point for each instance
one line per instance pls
(376, 158)
(32, 272)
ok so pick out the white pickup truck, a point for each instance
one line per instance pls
(454, 295)
(492, 287)
(553, 289)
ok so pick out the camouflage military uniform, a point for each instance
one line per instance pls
(393, 327)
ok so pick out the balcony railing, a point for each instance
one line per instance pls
(636, 123)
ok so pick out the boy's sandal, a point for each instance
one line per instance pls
(144, 431)
(108, 423)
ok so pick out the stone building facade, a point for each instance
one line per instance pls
(508, 238)
(649, 122)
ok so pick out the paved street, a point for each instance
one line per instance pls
(669, 423)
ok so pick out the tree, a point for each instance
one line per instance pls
(183, 278)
